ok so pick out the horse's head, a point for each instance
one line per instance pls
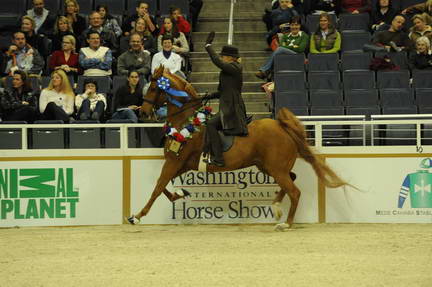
(157, 97)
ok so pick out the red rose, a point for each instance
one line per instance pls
(196, 122)
(208, 109)
(179, 137)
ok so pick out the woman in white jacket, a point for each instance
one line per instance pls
(90, 104)
(56, 102)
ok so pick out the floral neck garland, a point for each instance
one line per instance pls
(200, 117)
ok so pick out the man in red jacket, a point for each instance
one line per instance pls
(182, 24)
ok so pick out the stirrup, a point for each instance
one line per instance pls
(132, 220)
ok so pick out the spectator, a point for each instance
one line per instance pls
(95, 59)
(19, 103)
(107, 37)
(135, 59)
(21, 56)
(422, 58)
(383, 15)
(328, 6)
(129, 98)
(292, 41)
(33, 39)
(425, 8)
(56, 102)
(326, 38)
(195, 9)
(109, 22)
(43, 18)
(394, 38)
(90, 104)
(148, 40)
(72, 13)
(61, 29)
(66, 59)
(420, 28)
(181, 23)
(355, 6)
(141, 12)
(281, 15)
(180, 44)
(168, 58)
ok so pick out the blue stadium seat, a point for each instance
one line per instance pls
(400, 59)
(397, 97)
(327, 111)
(354, 22)
(291, 98)
(361, 98)
(289, 62)
(324, 80)
(325, 98)
(352, 60)
(287, 81)
(366, 110)
(300, 111)
(354, 40)
(424, 97)
(323, 62)
(407, 110)
(358, 80)
(85, 138)
(48, 138)
(422, 79)
(393, 79)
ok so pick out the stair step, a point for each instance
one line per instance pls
(196, 77)
(244, 54)
(250, 64)
(251, 107)
(203, 87)
(221, 25)
(244, 46)
(241, 36)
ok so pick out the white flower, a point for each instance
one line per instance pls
(201, 117)
(184, 132)
(173, 131)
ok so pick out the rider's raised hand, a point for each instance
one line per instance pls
(210, 38)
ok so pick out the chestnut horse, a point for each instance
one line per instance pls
(272, 145)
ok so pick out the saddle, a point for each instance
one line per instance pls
(228, 140)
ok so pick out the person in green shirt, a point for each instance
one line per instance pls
(292, 41)
(326, 38)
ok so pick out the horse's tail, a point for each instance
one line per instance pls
(296, 130)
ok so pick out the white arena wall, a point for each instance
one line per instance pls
(102, 186)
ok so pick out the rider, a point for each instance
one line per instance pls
(232, 111)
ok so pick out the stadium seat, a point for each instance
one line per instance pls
(312, 22)
(327, 111)
(400, 59)
(85, 7)
(422, 79)
(104, 84)
(48, 138)
(352, 60)
(393, 79)
(425, 109)
(116, 7)
(325, 98)
(332, 135)
(358, 80)
(323, 62)
(12, 7)
(366, 110)
(407, 110)
(165, 5)
(397, 97)
(11, 138)
(287, 81)
(354, 40)
(398, 134)
(354, 22)
(85, 138)
(112, 135)
(324, 80)
(406, 3)
(132, 4)
(291, 98)
(361, 97)
(55, 6)
(424, 97)
(289, 62)
(300, 111)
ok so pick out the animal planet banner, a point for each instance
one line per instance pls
(393, 190)
(58, 193)
(232, 197)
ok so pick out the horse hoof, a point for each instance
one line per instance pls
(282, 227)
(277, 210)
(132, 220)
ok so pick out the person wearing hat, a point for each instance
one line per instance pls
(231, 118)
(90, 104)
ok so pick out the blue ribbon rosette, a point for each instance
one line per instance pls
(165, 85)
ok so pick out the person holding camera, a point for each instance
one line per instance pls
(231, 118)
(291, 41)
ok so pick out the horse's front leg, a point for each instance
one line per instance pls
(169, 170)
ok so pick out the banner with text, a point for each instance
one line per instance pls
(392, 190)
(57, 193)
(242, 196)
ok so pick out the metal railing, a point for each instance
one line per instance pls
(231, 23)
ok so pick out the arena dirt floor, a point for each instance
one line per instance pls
(218, 255)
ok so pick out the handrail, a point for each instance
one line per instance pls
(231, 23)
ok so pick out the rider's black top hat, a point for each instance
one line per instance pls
(230, 50)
